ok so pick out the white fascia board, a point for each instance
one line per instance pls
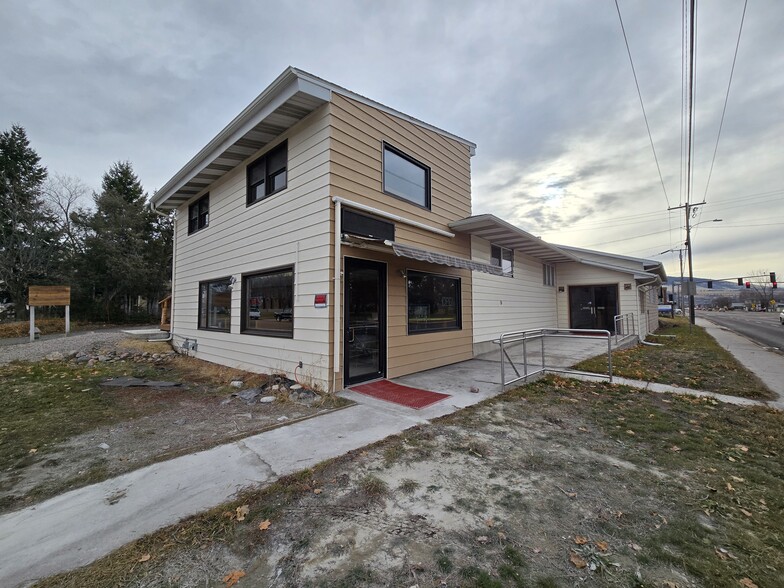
(283, 88)
(377, 105)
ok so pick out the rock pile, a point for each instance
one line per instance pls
(112, 356)
(278, 389)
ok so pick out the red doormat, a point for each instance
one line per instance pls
(404, 395)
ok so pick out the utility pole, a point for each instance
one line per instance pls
(689, 208)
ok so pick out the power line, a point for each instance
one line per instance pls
(726, 98)
(642, 105)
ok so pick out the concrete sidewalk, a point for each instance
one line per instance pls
(78, 527)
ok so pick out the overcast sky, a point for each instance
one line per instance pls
(544, 89)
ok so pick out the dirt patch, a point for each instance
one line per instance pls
(557, 484)
(142, 424)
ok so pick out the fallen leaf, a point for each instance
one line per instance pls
(145, 557)
(233, 577)
(630, 432)
(747, 583)
(536, 550)
(744, 449)
(670, 585)
(737, 479)
(578, 562)
(602, 545)
(242, 512)
(635, 547)
(483, 539)
(675, 448)
(732, 459)
(746, 512)
(730, 488)
(501, 536)
(33, 451)
(490, 522)
(317, 491)
(580, 540)
(264, 525)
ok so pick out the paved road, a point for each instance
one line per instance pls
(761, 327)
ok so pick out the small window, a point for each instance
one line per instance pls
(268, 303)
(406, 178)
(548, 273)
(199, 214)
(268, 174)
(503, 258)
(433, 303)
(215, 305)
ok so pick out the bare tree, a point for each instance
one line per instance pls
(67, 197)
(761, 288)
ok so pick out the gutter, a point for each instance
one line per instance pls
(174, 265)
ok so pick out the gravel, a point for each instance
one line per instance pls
(88, 342)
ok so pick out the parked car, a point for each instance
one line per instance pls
(284, 315)
(781, 317)
(254, 313)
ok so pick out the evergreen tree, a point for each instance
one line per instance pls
(120, 236)
(28, 235)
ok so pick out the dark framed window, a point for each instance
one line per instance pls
(433, 303)
(199, 214)
(268, 303)
(268, 174)
(548, 274)
(215, 305)
(405, 177)
(503, 258)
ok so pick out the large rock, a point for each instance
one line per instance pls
(55, 356)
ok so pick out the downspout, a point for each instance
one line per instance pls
(336, 302)
(639, 289)
(174, 265)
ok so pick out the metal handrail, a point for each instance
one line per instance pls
(541, 334)
(624, 325)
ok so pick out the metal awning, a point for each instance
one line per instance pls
(500, 232)
(419, 254)
(442, 259)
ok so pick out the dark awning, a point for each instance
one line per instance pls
(442, 259)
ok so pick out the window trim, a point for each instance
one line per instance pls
(206, 326)
(199, 213)
(282, 146)
(387, 147)
(458, 303)
(510, 273)
(244, 329)
(548, 275)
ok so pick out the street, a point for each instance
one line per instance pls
(761, 327)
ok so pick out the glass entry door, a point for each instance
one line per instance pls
(364, 336)
(593, 307)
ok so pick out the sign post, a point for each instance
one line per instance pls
(49, 296)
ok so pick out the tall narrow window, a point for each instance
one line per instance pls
(215, 305)
(199, 214)
(268, 174)
(433, 303)
(405, 177)
(503, 258)
(268, 302)
(548, 274)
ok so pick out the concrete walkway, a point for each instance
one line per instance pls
(78, 527)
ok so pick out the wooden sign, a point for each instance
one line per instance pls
(49, 296)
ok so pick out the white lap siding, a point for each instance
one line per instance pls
(503, 304)
(290, 228)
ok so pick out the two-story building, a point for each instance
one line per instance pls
(324, 235)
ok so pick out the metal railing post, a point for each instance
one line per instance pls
(542, 335)
(609, 357)
(503, 376)
(525, 356)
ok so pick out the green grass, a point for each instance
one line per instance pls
(45, 403)
(690, 359)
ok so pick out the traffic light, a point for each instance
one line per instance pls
(773, 277)
(710, 284)
(748, 284)
(740, 281)
(775, 285)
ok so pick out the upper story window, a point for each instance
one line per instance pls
(268, 174)
(503, 258)
(548, 274)
(199, 214)
(215, 305)
(405, 177)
